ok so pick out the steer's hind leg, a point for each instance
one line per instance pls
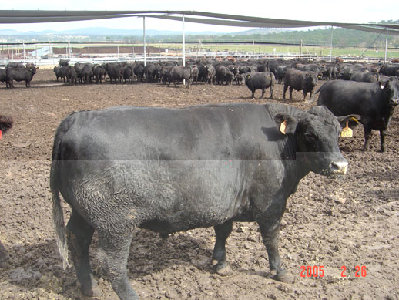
(367, 136)
(219, 251)
(263, 92)
(285, 90)
(382, 135)
(291, 90)
(80, 234)
(115, 247)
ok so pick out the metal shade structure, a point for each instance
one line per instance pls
(39, 16)
(209, 18)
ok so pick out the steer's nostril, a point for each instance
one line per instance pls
(339, 167)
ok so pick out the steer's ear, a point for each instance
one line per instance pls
(286, 123)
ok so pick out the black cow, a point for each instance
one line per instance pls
(345, 71)
(139, 71)
(114, 71)
(299, 80)
(99, 73)
(165, 73)
(127, 73)
(87, 73)
(3, 76)
(260, 80)
(179, 74)
(70, 74)
(15, 65)
(20, 74)
(59, 72)
(224, 75)
(279, 73)
(171, 170)
(206, 73)
(195, 73)
(329, 71)
(152, 72)
(78, 71)
(390, 70)
(364, 76)
(63, 62)
(373, 102)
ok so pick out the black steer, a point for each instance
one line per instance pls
(3, 76)
(59, 72)
(172, 170)
(70, 74)
(114, 71)
(99, 73)
(373, 102)
(20, 74)
(180, 74)
(260, 80)
(299, 80)
(364, 77)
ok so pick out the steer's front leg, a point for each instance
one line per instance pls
(270, 230)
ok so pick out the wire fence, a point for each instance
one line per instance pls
(48, 54)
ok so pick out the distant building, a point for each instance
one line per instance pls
(42, 52)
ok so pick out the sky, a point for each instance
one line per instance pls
(308, 10)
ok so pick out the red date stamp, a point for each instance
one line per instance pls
(312, 271)
(360, 271)
(319, 272)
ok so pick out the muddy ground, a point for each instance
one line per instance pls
(329, 222)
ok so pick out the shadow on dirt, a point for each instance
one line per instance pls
(148, 254)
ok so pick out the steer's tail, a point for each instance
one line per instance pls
(59, 225)
(58, 216)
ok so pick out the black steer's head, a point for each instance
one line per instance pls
(311, 80)
(316, 133)
(391, 91)
(247, 77)
(31, 67)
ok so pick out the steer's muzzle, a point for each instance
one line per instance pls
(339, 167)
(395, 102)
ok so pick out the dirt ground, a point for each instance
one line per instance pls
(351, 222)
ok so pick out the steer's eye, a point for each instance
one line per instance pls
(310, 137)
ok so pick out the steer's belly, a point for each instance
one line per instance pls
(163, 195)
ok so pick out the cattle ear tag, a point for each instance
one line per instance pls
(347, 132)
(382, 87)
(1, 134)
(283, 127)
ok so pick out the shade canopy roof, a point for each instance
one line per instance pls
(39, 16)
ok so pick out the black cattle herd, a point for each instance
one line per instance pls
(372, 100)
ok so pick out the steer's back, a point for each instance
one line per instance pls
(344, 97)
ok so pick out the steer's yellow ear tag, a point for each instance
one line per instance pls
(347, 132)
(283, 127)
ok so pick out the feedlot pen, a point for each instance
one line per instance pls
(349, 225)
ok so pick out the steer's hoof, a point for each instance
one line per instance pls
(222, 269)
(282, 276)
(92, 291)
